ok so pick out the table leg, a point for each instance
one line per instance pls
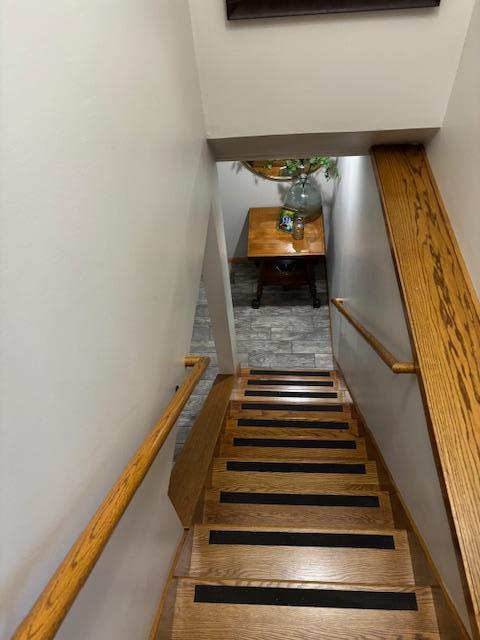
(258, 297)
(312, 284)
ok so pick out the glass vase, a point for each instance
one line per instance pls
(304, 199)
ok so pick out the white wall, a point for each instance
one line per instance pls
(349, 72)
(105, 197)
(455, 152)
(240, 190)
(216, 278)
(360, 269)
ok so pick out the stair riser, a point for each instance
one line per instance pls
(297, 483)
(294, 516)
(284, 414)
(289, 373)
(288, 392)
(292, 385)
(262, 564)
(291, 403)
(288, 428)
(297, 486)
(229, 451)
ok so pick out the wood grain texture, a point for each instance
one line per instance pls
(240, 562)
(316, 564)
(200, 621)
(424, 568)
(192, 466)
(286, 414)
(299, 375)
(298, 516)
(228, 450)
(163, 627)
(396, 366)
(239, 395)
(53, 604)
(163, 620)
(242, 384)
(266, 241)
(232, 430)
(272, 482)
(444, 323)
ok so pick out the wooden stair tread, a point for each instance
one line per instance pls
(267, 384)
(233, 430)
(260, 514)
(297, 541)
(332, 562)
(229, 451)
(327, 384)
(300, 397)
(244, 476)
(215, 621)
(292, 529)
(237, 413)
(285, 413)
(287, 373)
(345, 421)
(289, 379)
(288, 433)
(250, 443)
(329, 426)
(319, 393)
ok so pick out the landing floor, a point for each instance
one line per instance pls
(285, 332)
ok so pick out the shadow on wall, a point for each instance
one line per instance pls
(241, 249)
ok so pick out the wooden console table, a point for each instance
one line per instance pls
(281, 259)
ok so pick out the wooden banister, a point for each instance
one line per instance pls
(443, 315)
(50, 609)
(394, 365)
(190, 472)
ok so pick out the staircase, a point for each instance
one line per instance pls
(298, 538)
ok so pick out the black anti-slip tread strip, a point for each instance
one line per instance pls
(315, 500)
(264, 406)
(294, 424)
(290, 383)
(296, 467)
(294, 444)
(290, 394)
(289, 372)
(293, 539)
(290, 597)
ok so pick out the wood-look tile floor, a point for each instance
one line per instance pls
(285, 331)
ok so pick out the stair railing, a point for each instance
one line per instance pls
(396, 366)
(53, 604)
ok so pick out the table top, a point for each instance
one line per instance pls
(266, 241)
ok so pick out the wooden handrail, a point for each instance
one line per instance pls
(53, 604)
(443, 315)
(394, 365)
